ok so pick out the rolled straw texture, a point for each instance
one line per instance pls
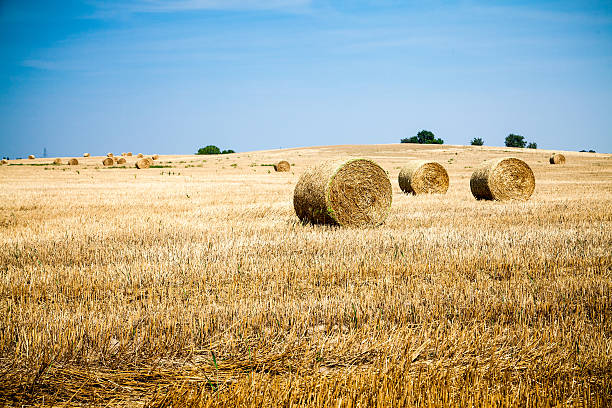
(354, 192)
(503, 179)
(423, 177)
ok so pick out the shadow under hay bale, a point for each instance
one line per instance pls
(557, 158)
(282, 165)
(502, 179)
(354, 192)
(423, 177)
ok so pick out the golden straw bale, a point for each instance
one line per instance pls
(121, 160)
(109, 155)
(282, 165)
(124, 154)
(155, 156)
(57, 161)
(108, 161)
(557, 158)
(85, 154)
(144, 163)
(354, 192)
(129, 154)
(502, 179)
(73, 162)
(140, 155)
(3, 161)
(31, 156)
(423, 177)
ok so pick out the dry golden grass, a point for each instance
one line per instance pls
(196, 285)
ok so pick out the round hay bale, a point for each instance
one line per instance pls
(31, 156)
(144, 163)
(85, 154)
(282, 165)
(129, 154)
(121, 160)
(557, 158)
(3, 161)
(73, 162)
(355, 192)
(423, 177)
(155, 156)
(124, 154)
(109, 155)
(140, 155)
(108, 161)
(502, 179)
(57, 161)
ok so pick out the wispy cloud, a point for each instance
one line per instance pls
(175, 6)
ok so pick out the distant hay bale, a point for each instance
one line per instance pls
(155, 156)
(282, 165)
(57, 161)
(140, 155)
(108, 161)
(355, 192)
(423, 177)
(557, 158)
(3, 161)
(85, 154)
(31, 156)
(144, 163)
(502, 179)
(73, 162)
(124, 154)
(121, 160)
(109, 155)
(129, 154)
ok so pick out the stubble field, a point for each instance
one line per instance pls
(194, 284)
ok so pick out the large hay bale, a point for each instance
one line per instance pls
(155, 156)
(144, 163)
(3, 161)
(282, 165)
(57, 161)
(140, 155)
(85, 154)
(108, 161)
(502, 179)
(129, 154)
(557, 158)
(109, 155)
(31, 156)
(423, 177)
(73, 162)
(344, 192)
(121, 160)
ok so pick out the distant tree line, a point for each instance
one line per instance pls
(211, 149)
(423, 137)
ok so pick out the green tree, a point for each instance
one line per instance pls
(228, 151)
(423, 137)
(210, 149)
(532, 145)
(513, 140)
(477, 141)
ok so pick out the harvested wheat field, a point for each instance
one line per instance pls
(193, 283)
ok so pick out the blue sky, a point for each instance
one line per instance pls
(172, 76)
